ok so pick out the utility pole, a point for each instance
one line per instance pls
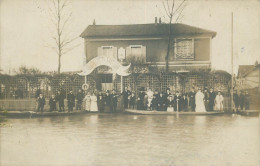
(232, 84)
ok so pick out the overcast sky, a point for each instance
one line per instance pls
(25, 29)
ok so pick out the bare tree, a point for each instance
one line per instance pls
(60, 15)
(173, 13)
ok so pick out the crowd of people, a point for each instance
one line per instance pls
(88, 102)
(241, 100)
(195, 101)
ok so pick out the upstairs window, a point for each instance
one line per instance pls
(184, 49)
(107, 51)
(136, 52)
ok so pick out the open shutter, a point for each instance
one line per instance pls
(143, 53)
(115, 52)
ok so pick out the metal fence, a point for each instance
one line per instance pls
(178, 82)
(24, 86)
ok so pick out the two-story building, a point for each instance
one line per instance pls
(145, 47)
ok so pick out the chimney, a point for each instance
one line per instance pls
(160, 20)
(94, 22)
(155, 20)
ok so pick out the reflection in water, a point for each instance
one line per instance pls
(113, 139)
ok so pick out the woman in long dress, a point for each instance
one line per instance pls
(150, 98)
(219, 102)
(87, 99)
(199, 101)
(93, 103)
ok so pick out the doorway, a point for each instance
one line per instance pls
(105, 82)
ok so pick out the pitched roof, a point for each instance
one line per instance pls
(141, 30)
(243, 70)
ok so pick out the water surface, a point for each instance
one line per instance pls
(116, 139)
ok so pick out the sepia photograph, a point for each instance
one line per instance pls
(129, 82)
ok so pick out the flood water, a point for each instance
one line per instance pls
(118, 139)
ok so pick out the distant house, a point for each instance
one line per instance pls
(248, 77)
(145, 47)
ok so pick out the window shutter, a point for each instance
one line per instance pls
(144, 54)
(115, 52)
(99, 51)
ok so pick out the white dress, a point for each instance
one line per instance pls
(219, 103)
(93, 104)
(87, 100)
(199, 101)
(150, 98)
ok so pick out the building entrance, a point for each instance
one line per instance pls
(104, 82)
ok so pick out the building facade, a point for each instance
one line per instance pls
(144, 46)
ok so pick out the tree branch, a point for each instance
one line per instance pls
(165, 9)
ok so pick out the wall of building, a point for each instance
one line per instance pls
(156, 49)
(202, 49)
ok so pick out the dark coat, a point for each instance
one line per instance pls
(170, 103)
(60, 99)
(161, 102)
(132, 100)
(139, 104)
(154, 102)
(114, 99)
(52, 102)
(41, 101)
(107, 100)
(212, 97)
(71, 100)
(192, 98)
(206, 96)
(177, 103)
(80, 97)
(100, 103)
(184, 104)
(236, 99)
(126, 94)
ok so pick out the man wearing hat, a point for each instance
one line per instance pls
(170, 104)
(177, 102)
(236, 99)
(113, 101)
(212, 96)
(71, 101)
(192, 100)
(126, 93)
(206, 99)
(107, 101)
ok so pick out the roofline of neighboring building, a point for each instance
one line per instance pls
(256, 67)
(245, 74)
